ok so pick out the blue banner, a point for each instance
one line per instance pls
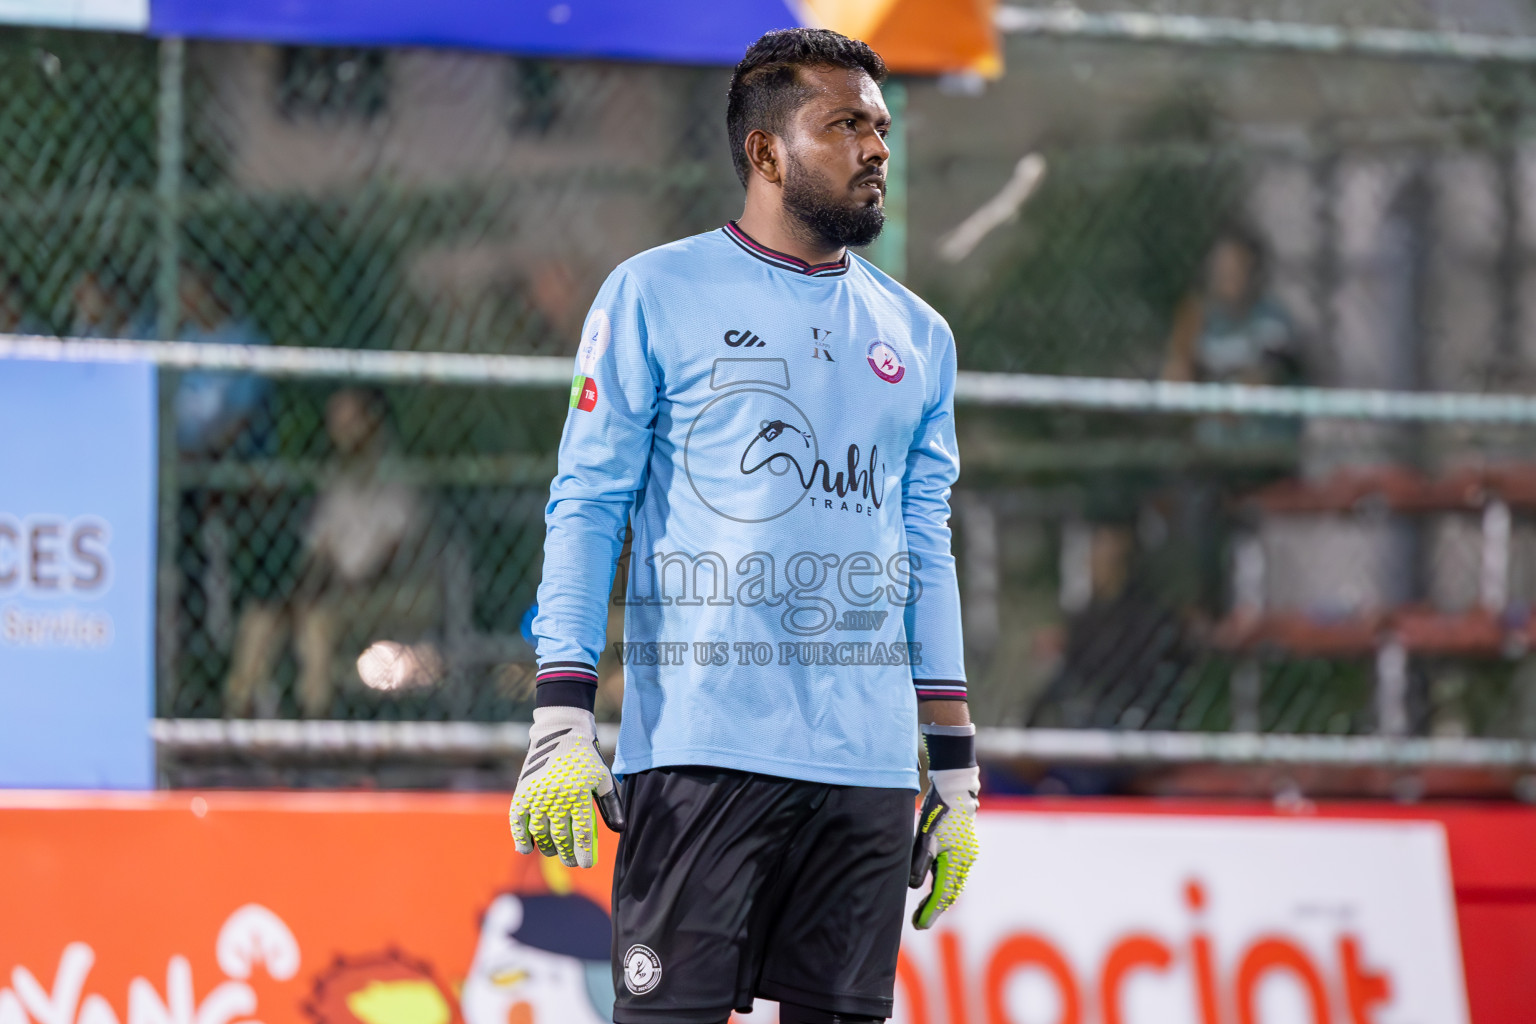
(680, 31)
(77, 559)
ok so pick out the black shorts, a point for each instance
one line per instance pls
(730, 885)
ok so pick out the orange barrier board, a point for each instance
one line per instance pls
(227, 908)
(322, 909)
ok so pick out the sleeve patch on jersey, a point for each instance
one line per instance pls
(594, 342)
(583, 393)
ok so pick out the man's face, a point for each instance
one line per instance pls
(834, 180)
(1231, 272)
(349, 421)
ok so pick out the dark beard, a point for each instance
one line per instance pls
(831, 222)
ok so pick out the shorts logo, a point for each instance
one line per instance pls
(642, 969)
(885, 362)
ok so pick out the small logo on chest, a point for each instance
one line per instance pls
(886, 362)
(819, 336)
(744, 339)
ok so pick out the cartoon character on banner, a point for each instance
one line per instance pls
(544, 948)
(542, 958)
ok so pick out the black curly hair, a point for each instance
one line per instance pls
(766, 87)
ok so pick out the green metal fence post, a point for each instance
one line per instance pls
(171, 146)
(171, 129)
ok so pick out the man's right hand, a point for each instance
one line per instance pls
(552, 808)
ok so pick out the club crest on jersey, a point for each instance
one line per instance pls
(885, 362)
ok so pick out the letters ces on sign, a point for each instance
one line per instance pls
(77, 520)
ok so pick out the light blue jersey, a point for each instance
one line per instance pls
(781, 439)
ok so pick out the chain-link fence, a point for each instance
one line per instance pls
(339, 549)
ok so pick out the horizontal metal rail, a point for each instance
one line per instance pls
(999, 389)
(294, 361)
(365, 740)
(1132, 396)
(1091, 746)
(1196, 30)
(319, 738)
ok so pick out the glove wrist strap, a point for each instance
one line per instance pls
(950, 746)
(571, 684)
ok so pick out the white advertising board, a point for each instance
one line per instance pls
(107, 15)
(1110, 919)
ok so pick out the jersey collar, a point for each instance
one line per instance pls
(784, 260)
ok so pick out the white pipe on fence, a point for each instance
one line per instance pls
(1264, 34)
(1083, 746)
(971, 387)
(295, 361)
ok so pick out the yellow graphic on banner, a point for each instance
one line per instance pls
(399, 1002)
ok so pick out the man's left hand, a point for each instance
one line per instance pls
(946, 842)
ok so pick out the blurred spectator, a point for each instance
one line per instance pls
(362, 531)
(13, 306)
(99, 310)
(218, 412)
(1233, 331)
(214, 408)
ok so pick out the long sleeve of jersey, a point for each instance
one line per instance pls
(604, 452)
(933, 613)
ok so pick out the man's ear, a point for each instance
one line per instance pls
(763, 155)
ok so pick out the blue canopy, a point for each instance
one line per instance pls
(676, 31)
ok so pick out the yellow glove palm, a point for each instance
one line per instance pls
(552, 807)
(946, 840)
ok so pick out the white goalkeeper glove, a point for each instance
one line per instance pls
(946, 842)
(552, 807)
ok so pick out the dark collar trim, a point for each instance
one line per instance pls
(783, 259)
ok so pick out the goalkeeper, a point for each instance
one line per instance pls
(774, 419)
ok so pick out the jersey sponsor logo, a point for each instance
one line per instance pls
(766, 451)
(744, 339)
(642, 969)
(886, 363)
(779, 462)
(713, 441)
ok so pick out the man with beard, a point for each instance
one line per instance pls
(773, 417)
